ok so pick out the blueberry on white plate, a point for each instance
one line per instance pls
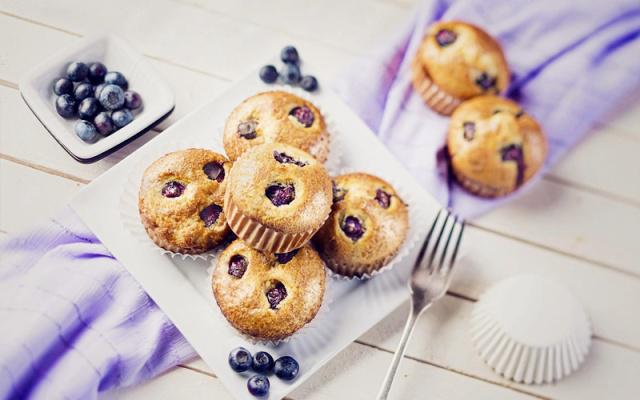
(290, 74)
(289, 55)
(97, 72)
(66, 106)
(111, 97)
(104, 124)
(83, 91)
(132, 100)
(240, 359)
(121, 117)
(86, 131)
(258, 385)
(286, 368)
(88, 108)
(116, 78)
(268, 74)
(62, 86)
(77, 71)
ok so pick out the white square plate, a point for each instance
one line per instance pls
(181, 287)
(157, 98)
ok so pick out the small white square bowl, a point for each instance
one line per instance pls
(116, 54)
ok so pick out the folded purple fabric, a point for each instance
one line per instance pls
(76, 323)
(573, 63)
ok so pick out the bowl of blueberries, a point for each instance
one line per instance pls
(96, 96)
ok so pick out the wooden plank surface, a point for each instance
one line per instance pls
(551, 230)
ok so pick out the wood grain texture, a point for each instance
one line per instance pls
(576, 226)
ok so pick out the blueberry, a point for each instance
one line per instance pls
(172, 189)
(486, 82)
(66, 106)
(445, 37)
(290, 74)
(98, 90)
(214, 171)
(112, 97)
(132, 100)
(280, 194)
(338, 193)
(276, 294)
(237, 266)
(86, 131)
(77, 71)
(121, 117)
(116, 78)
(469, 129)
(240, 359)
(383, 198)
(352, 227)
(309, 83)
(284, 258)
(258, 385)
(83, 91)
(284, 158)
(247, 129)
(268, 74)
(62, 86)
(513, 152)
(303, 115)
(286, 368)
(88, 108)
(289, 55)
(104, 124)
(97, 72)
(262, 362)
(209, 215)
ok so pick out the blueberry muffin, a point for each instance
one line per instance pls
(494, 146)
(181, 200)
(268, 296)
(276, 117)
(277, 197)
(457, 61)
(367, 225)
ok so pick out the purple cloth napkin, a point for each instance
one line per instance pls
(75, 323)
(572, 62)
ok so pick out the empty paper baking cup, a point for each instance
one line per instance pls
(530, 330)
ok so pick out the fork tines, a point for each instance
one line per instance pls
(442, 242)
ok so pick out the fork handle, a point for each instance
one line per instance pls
(402, 346)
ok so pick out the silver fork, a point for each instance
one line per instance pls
(429, 280)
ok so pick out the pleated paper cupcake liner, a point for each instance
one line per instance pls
(436, 98)
(305, 333)
(530, 330)
(129, 212)
(418, 225)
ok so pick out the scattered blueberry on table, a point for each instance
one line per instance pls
(290, 73)
(258, 385)
(286, 368)
(262, 362)
(240, 359)
(99, 98)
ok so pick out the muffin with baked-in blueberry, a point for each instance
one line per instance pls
(455, 62)
(276, 116)
(181, 200)
(268, 296)
(368, 224)
(277, 197)
(494, 146)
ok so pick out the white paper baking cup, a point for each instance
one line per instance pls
(129, 212)
(308, 331)
(418, 225)
(530, 330)
(334, 157)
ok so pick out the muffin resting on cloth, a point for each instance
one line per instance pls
(268, 296)
(276, 117)
(181, 200)
(494, 146)
(277, 197)
(455, 62)
(367, 225)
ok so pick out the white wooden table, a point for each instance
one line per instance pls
(580, 225)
